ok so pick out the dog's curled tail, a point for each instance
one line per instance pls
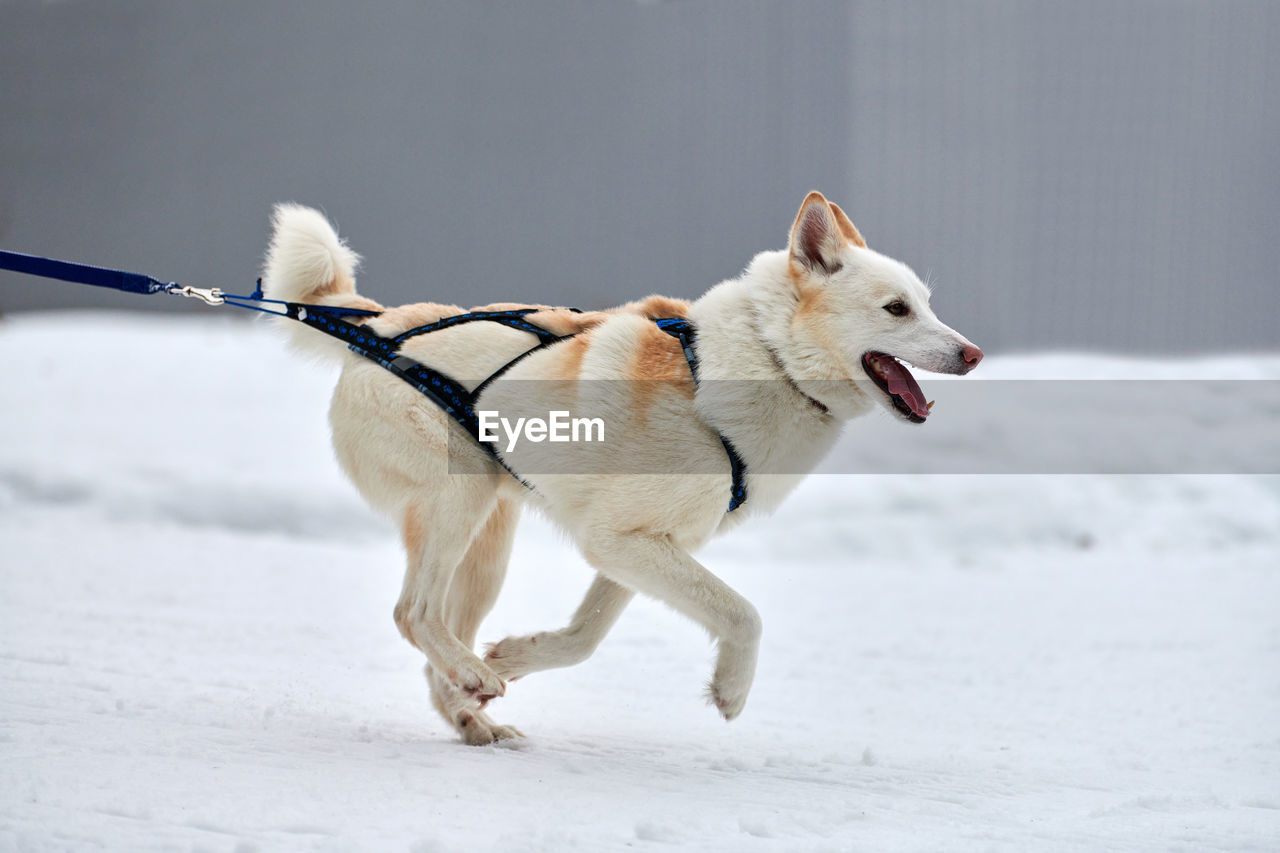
(307, 262)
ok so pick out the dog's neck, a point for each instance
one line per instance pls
(817, 405)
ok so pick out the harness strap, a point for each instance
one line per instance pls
(687, 334)
(512, 363)
(445, 392)
(514, 319)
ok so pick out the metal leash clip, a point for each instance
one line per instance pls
(210, 295)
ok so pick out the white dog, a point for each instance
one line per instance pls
(817, 332)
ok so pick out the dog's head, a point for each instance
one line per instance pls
(858, 315)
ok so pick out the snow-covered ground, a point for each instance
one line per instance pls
(197, 650)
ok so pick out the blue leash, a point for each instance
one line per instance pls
(132, 282)
(445, 392)
(129, 282)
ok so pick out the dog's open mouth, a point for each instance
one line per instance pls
(893, 378)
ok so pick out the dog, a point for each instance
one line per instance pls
(805, 339)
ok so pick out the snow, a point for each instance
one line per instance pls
(197, 650)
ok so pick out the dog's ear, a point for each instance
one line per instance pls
(846, 227)
(815, 237)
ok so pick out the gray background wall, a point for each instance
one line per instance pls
(1097, 174)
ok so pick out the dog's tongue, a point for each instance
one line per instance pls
(902, 383)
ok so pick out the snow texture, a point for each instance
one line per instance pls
(197, 650)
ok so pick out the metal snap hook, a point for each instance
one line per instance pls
(209, 295)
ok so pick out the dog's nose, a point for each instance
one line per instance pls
(971, 355)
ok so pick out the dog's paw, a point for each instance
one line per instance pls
(728, 702)
(478, 682)
(510, 658)
(477, 729)
(735, 670)
(501, 733)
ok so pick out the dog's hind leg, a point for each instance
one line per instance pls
(479, 578)
(516, 656)
(472, 593)
(438, 532)
(656, 566)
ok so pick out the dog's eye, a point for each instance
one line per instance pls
(898, 308)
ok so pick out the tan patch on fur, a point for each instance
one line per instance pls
(847, 228)
(507, 306)
(411, 530)
(812, 300)
(562, 321)
(657, 367)
(358, 302)
(812, 312)
(658, 357)
(339, 284)
(656, 307)
(798, 276)
(565, 362)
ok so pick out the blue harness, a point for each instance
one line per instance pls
(447, 393)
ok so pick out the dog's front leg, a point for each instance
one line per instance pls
(515, 657)
(655, 566)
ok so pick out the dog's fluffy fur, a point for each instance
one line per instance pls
(799, 321)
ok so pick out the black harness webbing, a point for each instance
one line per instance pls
(687, 334)
(446, 392)
(514, 319)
